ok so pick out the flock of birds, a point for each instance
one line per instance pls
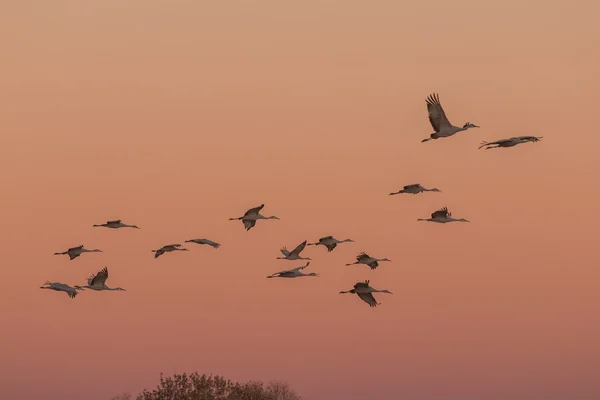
(443, 129)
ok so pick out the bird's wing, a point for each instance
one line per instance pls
(72, 256)
(324, 238)
(368, 298)
(331, 246)
(441, 213)
(414, 185)
(527, 138)
(210, 243)
(373, 265)
(359, 285)
(75, 248)
(116, 221)
(254, 211)
(284, 251)
(159, 252)
(100, 277)
(300, 268)
(362, 256)
(172, 245)
(248, 223)
(299, 248)
(437, 116)
(496, 142)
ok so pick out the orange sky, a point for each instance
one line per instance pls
(176, 115)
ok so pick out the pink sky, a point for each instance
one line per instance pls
(176, 115)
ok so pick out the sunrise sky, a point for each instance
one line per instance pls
(176, 115)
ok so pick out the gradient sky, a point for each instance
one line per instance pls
(176, 115)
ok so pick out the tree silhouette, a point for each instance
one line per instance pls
(208, 387)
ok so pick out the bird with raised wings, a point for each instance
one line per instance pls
(415, 188)
(510, 142)
(98, 281)
(167, 249)
(75, 252)
(251, 216)
(62, 287)
(329, 242)
(365, 292)
(292, 273)
(294, 254)
(115, 224)
(364, 258)
(442, 216)
(437, 117)
(204, 241)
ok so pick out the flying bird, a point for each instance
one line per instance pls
(204, 241)
(292, 273)
(511, 142)
(75, 252)
(437, 117)
(61, 287)
(98, 281)
(442, 216)
(415, 188)
(364, 258)
(330, 242)
(365, 292)
(115, 224)
(251, 216)
(167, 249)
(294, 254)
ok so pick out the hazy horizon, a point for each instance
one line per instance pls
(176, 116)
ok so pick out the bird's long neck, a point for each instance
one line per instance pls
(346, 240)
(96, 225)
(424, 219)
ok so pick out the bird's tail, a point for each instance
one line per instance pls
(425, 140)
(60, 254)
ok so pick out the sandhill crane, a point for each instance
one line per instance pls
(61, 287)
(204, 241)
(252, 215)
(364, 258)
(442, 216)
(513, 141)
(294, 254)
(97, 281)
(75, 252)
(115, 224)
(415, 188)
(292, 273)
(365, 292)
(167, 249)
(437, 117)
(330, 242)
